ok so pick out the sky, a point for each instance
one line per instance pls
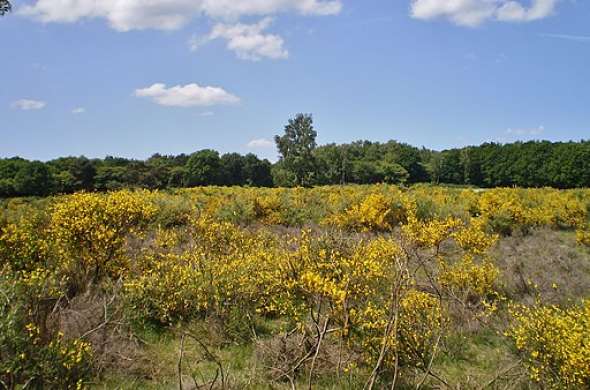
(132, 78)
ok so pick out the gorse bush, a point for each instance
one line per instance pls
(90, 230)
(31, 353)
(555, 344)
(217, 271)
(363, 281)
(375, 213)
(583, 237)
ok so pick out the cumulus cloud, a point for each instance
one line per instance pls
(125, 15)
(190, 95)
(79, 110)
(261, 143)
(475, 12)
(28, 104)
(248, 41)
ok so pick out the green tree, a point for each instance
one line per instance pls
(8, 170)
(434, 166)
(451, 171)
(256, 172)
(73, 174)
(232, 167)
(407, 156)
(334, 164)
(33, 179)
(296, 147)
(203, 168)
(176, 177)
(393, 173)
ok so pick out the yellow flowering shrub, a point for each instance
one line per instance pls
(169, 289)
(555, 343)
(71, 363)
(375, 213)
(429, 234)
(473, 237)
(583, 237)
(24, 245)
(414, 334)
(509, 209)
(267, 209)
(221, 269)
(420, 328)
(466, 278)
(503, 210)
(31, 353)
(89, 230)
(420, 273)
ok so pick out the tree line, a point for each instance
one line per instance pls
(303, 163)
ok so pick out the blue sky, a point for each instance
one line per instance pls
(132, 78)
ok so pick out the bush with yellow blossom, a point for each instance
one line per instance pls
(31, 354)
(583, 237)
(375, 213)
(554, 343)
(89, 230)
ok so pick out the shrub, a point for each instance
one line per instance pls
(374, 213)
(31, 354)
(89, 230)
(554, 343)
(465, 279)
(583, 237)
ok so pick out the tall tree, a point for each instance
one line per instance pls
(72, 174)
(256, 172)
(296, 147)
(33, 179)
(203, 168)
(232, 167)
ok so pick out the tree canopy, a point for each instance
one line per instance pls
(296, 147)
(303, 163)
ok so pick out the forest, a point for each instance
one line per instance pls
(531, 164)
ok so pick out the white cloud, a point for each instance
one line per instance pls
(526, 132)
(261, 143)
(190, 95)
(248, 41)
(125, 15)
(79, 110)
(28, 104)
(475, 12)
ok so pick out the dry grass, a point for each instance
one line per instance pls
(544, 263)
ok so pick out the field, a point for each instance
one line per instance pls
(332, 287)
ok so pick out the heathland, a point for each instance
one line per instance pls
(333, 287)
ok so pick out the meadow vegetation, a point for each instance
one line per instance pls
(373, 286)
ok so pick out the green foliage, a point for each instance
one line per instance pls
(530, 164)
(238, 170)
(203, 168)
(73, 174)
(33, 179)
(31, 354)
(296, 147)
